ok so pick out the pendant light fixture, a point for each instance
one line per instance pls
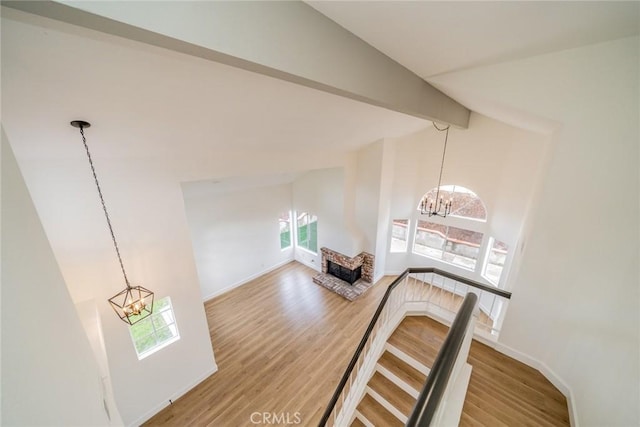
(438, 206)
(133, 303)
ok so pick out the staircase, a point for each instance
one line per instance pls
(400, 373)
(384, 382)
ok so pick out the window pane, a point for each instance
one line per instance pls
(399, 235)
(146, 343)
(465, 203)
(166, 334)
(450, 244)
(162, 319)
(313, 234)
(430, 239)
(495, 262)
(463, 247)
(160, 304)
(155, 330)
(307, 231)
(142, 329)
(285, 230)
(303, 237)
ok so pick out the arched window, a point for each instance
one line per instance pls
(466, 204)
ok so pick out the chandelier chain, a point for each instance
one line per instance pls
(104, 207)
(444, 152)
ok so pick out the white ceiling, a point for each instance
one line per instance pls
(147, 102)
(434, 37)
(185, 113)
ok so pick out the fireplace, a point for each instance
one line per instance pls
(336, 265)
(344, 273)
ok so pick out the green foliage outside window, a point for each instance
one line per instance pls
(155, 330)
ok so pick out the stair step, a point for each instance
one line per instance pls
(411, 376)
(407, 359)
(415, 337)
(393, 394)
(375, 413)
(357, 423)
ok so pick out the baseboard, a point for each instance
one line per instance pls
(147, 416)
(308, 264)
(245, 281)
(393, 273)
(548, 373)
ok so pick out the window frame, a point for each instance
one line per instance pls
(291, 234)
(309, 216)
(488, 251)
(481, 246)
(155, 331)
(452, 189)
(406, 242)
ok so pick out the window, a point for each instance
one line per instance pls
(399, 235)
(466, 204)
(307, 231)
(495, 261)
(156, 331)
(449, 244)
(285, 230)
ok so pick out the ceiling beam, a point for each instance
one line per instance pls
(288, 40)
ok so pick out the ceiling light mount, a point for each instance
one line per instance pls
(80, 124)
(133, 303)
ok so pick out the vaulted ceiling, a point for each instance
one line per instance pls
(435, 37)
(198, 119)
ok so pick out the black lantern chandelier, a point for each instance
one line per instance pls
(133, 303)
(438, 206)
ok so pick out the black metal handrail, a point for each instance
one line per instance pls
(438, 379)
(374, 320)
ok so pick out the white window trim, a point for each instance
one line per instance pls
(483, 249)
(290, 232)
(406, 249)
(486, 262)
(163, 344)
(297, 243)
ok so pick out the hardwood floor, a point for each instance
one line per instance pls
(502, 391)
(282, 343)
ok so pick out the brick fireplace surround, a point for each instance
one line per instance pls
(364, 259)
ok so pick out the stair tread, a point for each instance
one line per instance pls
(400, 369)
(420, 337)
(357, 423)
(376, 413)
(397, 397)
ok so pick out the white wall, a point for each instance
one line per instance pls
(373, 189)
(500, 163)
(576, 305)
(147, 211)
(49, 375)
(235, 234)
(322, 192)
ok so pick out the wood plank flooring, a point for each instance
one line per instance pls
(502, 391)
(282, 343)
